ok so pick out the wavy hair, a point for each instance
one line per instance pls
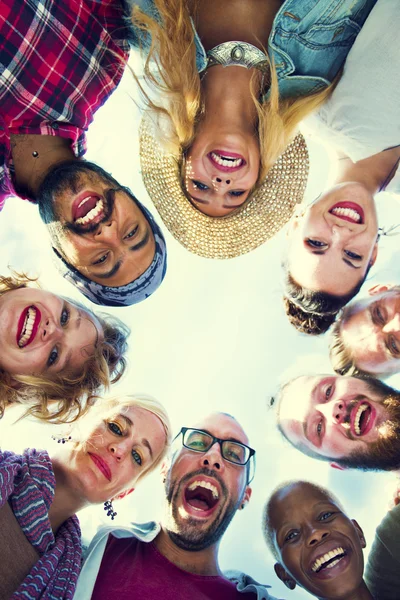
(170, 71)
(66, 397)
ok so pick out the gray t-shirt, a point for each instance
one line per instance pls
(382, 574)
(362, 116)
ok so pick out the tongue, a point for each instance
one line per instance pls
(86, 207)
(198, 503)
(364, 419)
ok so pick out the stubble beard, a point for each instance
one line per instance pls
(189, 534)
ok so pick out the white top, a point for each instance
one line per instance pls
(362, 117)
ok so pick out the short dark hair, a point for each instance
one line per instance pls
(313, 312)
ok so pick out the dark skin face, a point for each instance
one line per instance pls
(307, 525)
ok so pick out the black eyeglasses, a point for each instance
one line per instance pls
(234, 452)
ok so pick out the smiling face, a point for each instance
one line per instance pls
(204, 490)
(114, 453)
(96, 225)
(332, 244)
(317, 544)
(332, 416)
(43, 334)
(370, 330)
(221, 169)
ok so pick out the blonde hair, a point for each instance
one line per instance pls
(66, 397)
(175, 77)
(109, 406)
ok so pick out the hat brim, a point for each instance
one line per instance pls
(261, 216)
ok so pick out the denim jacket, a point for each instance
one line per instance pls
(309, 40)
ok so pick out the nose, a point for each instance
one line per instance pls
(119, 450)
(316, 535)
(392, 326)
(107, 233)
(341, 232)
(51, 330)
(333, 412)
(222, 180)
(212, 459)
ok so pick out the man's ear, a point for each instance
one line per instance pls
(246, 497)
(335, 465)
(374, 254)
(379, 289)
(284, 576)
(360, 533)
(165, 467)
(123, 494)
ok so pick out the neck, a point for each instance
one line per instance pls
(204, 562)
(67, 501)
(373, 172)
(31, 170)
(234, 111)
(361, 593)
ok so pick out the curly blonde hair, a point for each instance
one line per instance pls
(170, 71)
(65, 398)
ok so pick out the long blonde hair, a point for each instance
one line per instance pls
(175, 77)
(66, 397)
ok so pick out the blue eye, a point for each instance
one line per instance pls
(328, 391)
(65, 314)
(236, 193)
(53, 357)
(132, 233)
(319, 429)
(199, 185)
(114, 428)
(315, 243)
(137, 458)
(101, 260)
(353, 255)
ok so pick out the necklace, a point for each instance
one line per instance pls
(237, 54)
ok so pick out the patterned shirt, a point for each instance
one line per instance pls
(59, 62)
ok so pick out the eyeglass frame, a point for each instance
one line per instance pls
(220, 442)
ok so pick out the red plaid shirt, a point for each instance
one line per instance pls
(59, 62)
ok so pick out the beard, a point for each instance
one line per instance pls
(186, 533)
(384, 454)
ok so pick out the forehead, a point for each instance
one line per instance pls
(296, 397)
(293, 501)
(223, 426)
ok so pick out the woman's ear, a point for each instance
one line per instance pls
(284, 576)
(123, 494)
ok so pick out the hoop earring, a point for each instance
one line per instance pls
(108, 506)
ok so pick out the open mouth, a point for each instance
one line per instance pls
(227, 162)
(88, 208)
(362, 418)
(348, 211)
(28, 325)
(201, 496)
(329, 560)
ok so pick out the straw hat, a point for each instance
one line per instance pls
(243, 230)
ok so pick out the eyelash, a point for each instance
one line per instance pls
(315, 243)
(353, 255)
(53, 357)
(132, 233)
(201, 186)
(116, 429)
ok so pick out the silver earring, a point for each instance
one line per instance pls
(108, 506)
(61, 440)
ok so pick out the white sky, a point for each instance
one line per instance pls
(213, 337)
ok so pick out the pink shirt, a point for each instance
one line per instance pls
(131, 569)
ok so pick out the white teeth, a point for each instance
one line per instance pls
(27, 327)
(357, 419)
(92, 213)
(347, 212)
(206, 485)
(226, 162)
(328, 556)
